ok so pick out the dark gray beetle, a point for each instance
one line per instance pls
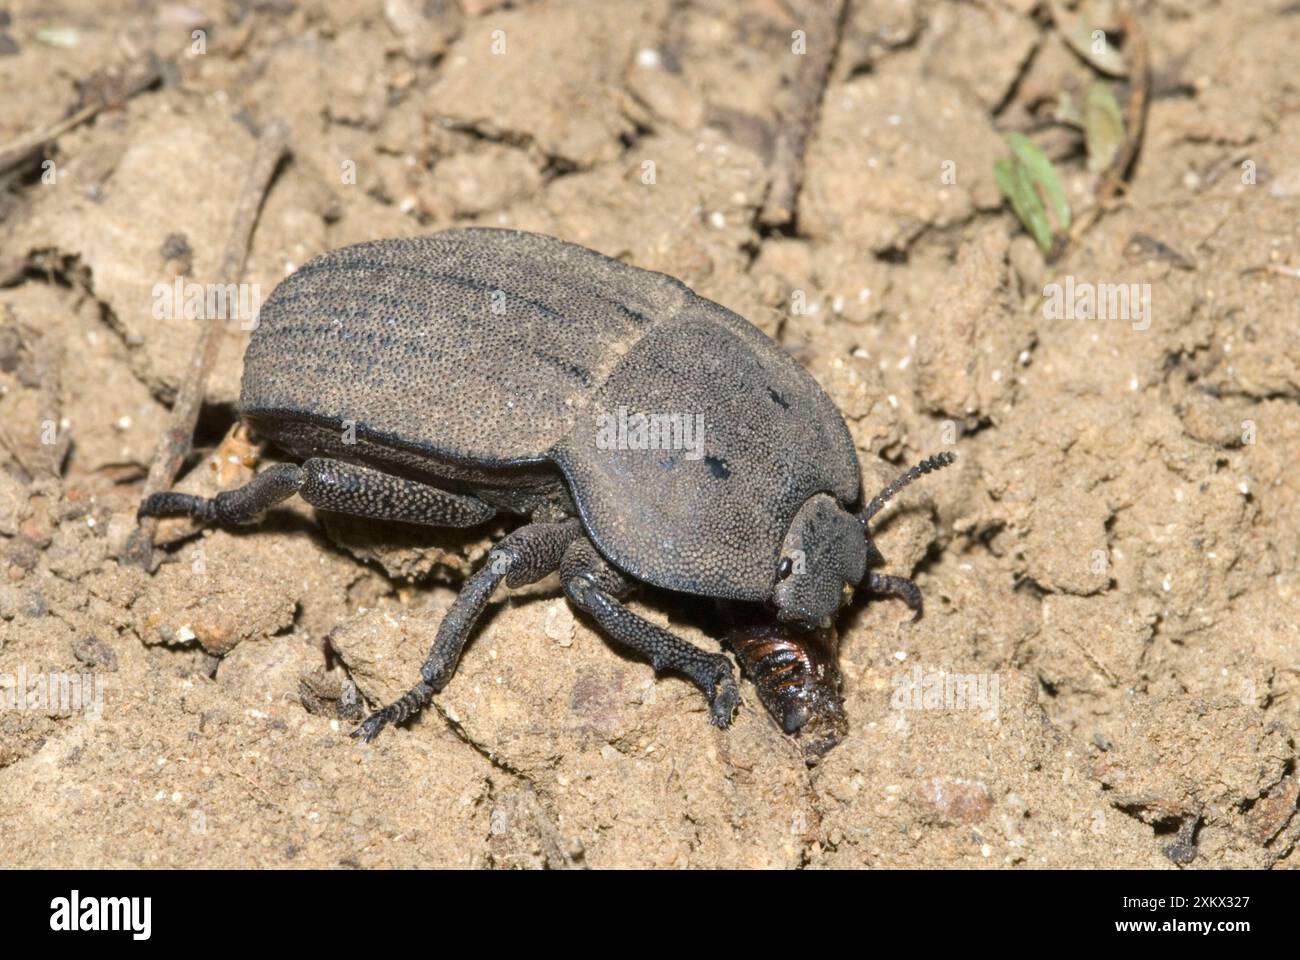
(444, 379)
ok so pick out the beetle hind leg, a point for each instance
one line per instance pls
(268, 488)
(330, 485)
(595, 586)
(524, 556)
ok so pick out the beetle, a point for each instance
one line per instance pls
(446, 379)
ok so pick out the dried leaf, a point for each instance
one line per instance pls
(1088, 39)
(1068, 110)
(1103, 126)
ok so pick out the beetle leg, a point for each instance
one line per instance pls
(524, 556)
(366, 492)
(900, 587)
(268, 488)
(595, 587)
(330, 485)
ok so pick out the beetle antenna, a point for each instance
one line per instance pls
(929, 464)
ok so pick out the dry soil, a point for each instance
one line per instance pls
(1116, 549)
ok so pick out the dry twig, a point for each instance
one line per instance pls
(176, 441)
(800, 109)
(105, 90)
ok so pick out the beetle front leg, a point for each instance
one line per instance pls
(524, 556)
(899, 587)
(595, 587)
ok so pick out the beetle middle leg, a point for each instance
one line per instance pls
(524, 556)
(591, 583)
(330, 485)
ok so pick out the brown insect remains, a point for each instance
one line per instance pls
(797, 679)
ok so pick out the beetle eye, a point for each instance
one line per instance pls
(783, 568)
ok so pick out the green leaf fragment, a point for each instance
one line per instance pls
(1043, 175)
(1030, 183)
(1015, 184)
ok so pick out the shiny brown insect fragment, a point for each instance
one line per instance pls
(796, 674)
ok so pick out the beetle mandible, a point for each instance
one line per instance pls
(479, 371)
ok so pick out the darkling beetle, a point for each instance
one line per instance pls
(444, 379)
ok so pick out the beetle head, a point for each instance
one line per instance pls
(827, 552)
(823, 558)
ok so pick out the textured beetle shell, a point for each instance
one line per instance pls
(497, 348)
(478, 345)
(772, 439)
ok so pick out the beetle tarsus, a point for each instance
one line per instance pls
(725, 699)
(370, 727)
(172, 504)
(399, 711)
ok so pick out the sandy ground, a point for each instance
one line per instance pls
(1116, 549)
